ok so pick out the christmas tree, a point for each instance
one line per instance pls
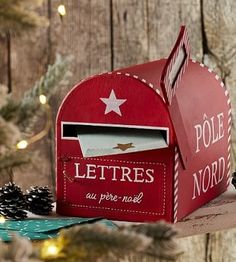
(17, 118)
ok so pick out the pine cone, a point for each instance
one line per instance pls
(12, 202)
(234, 179)
(39, 200)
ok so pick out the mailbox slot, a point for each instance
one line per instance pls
(69, 130)
(100, 139)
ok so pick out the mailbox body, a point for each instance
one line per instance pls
(149, 185)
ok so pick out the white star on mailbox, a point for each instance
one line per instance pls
(112, 103)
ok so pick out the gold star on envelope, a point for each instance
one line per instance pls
(107, 141)
(124, 147)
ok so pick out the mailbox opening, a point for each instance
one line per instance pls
(104, 139)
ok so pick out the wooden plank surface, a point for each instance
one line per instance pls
(164, 20)
(130, 32)
(83, 33)
(29, 55)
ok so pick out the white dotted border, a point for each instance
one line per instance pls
(176, 182)
(137, 78)
(114, 209)
(64, 181)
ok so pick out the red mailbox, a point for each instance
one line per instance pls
(144, 143)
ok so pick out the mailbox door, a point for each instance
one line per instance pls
(134, 187)
(206, 109)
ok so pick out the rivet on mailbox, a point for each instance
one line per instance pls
(145, 143)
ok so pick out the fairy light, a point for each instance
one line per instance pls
(2, 219)
(61, 9)
(51, 249)
(43, 99)
(22, 144)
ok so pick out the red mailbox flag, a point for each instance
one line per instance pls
(171, 77)
(175, 65)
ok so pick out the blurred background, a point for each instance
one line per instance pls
(93, 36)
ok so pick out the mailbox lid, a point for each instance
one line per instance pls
(149, 73)
(138, 105)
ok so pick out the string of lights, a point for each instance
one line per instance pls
(50, 249)
(23, 144)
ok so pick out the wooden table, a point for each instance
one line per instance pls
(219, 214)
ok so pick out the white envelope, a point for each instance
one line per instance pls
(120, 141)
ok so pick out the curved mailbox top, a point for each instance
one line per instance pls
(116, 100)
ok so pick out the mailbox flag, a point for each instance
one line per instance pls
(171, 77)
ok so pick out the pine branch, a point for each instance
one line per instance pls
(100, 243)
(25, 113)
(19, 15)
(9, 135)
(93, 242)
(14, 159)
(8, 111)
(30, 105)
(163, 235)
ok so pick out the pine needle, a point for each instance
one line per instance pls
(14, 159)
(93, 242)
(26, 112)
(29, 105)
(164, 245)
(17, 16)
